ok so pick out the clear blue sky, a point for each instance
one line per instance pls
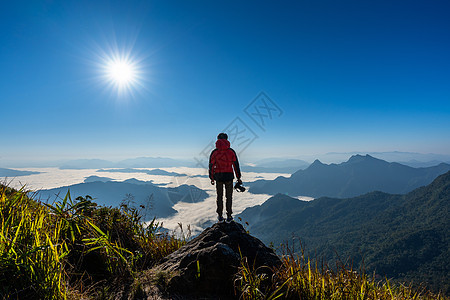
(347, 75)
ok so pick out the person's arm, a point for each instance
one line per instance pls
(211, 167)
(237, 169)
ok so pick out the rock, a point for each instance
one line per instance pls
(206, 266)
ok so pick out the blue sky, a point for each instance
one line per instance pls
(347, 76)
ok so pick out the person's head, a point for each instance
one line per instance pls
(222, 136)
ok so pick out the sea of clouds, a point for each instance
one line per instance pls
(196, 215)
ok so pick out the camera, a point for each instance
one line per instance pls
(238, 187)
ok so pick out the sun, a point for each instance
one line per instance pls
(121, 72)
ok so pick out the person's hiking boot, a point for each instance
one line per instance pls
(220, 219)
(229, 219)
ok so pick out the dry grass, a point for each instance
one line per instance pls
(299, 278)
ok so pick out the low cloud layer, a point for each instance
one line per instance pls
(196, 215)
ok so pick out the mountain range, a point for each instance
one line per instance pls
(157, 200)
(139, 162)
(359, 175)
(391, 156)
(405, 237)
(149, 172)
(274, 165)
(270, 165)
(15, 173)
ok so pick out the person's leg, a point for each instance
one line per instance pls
(219, 189)
(229, 196)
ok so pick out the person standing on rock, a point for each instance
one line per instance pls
(222, 161)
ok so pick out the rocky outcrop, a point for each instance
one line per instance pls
(206, 266)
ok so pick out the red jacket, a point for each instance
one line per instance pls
(222, 161)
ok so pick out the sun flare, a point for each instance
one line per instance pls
(121, 72)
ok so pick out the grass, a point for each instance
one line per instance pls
(71, 248)
(299, 278)
(31, 252)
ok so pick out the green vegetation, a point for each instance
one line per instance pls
(76, 250)
(65, 249)
(299, 278)
(402, 237)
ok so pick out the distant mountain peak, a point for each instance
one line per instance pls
(317, 163)
(361, 158)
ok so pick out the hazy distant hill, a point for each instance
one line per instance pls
(391, 156)
(159, 200)
(15, 173)
(87, 164)
(140, 162)
(422, 164)
(97, 178)
(400, 236)
(359, 175)
(274, 165)
(152, 162)
(149, 172)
